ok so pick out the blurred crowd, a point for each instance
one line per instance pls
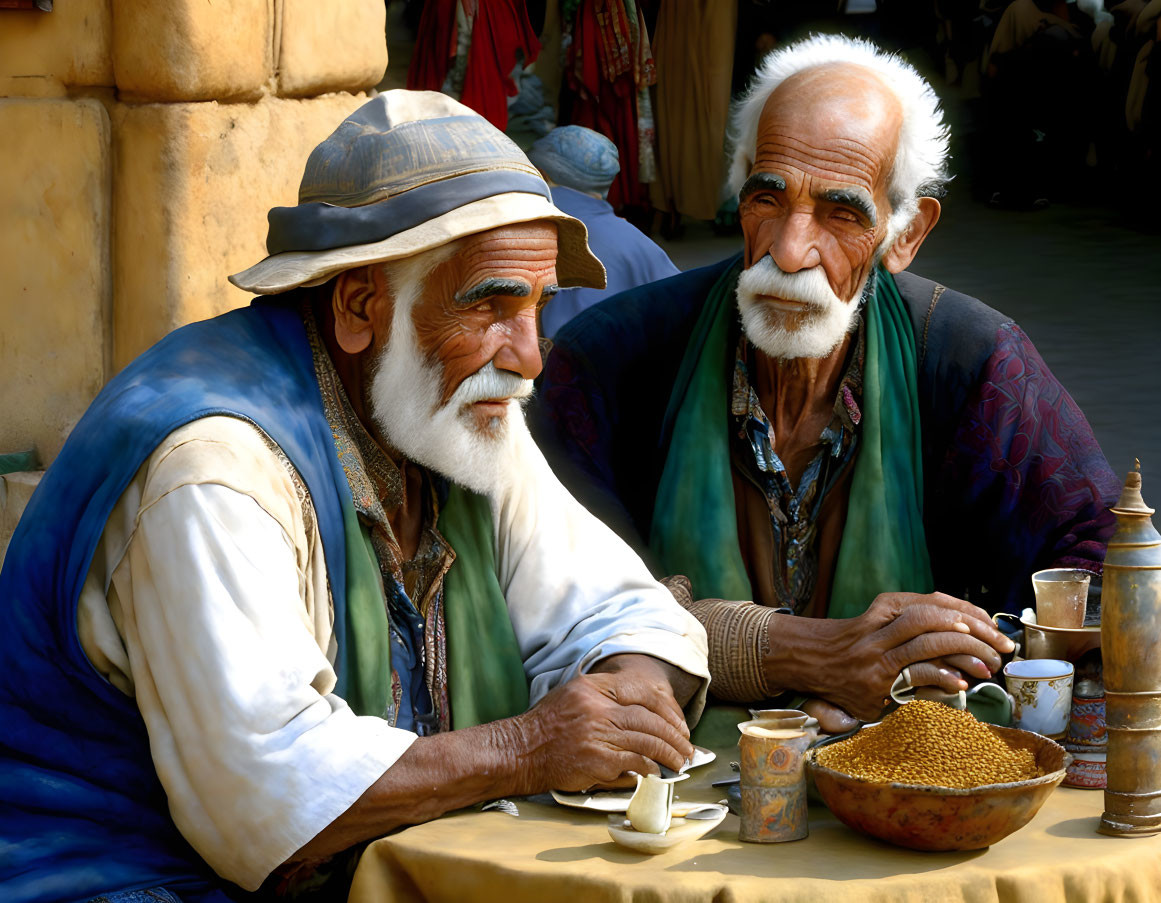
(1068, 89)
(1059, 96)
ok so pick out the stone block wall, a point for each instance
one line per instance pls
(183, 50)
(195, 181)
(57, 288)
(143, 143)
(44, 54)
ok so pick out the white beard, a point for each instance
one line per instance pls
(815, 332)
(404, 396)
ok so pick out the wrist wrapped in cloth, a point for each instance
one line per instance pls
(739, 641)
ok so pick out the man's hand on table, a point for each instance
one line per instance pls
(622, 716)
(851, 663)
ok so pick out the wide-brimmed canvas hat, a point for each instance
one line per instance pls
(407, 172)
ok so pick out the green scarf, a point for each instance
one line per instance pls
(486, 680)
(883, 547)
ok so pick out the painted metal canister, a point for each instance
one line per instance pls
(773, 784)
(1130, 635)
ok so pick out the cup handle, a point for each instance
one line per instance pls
(1011, 627)
(901, 690)
(990, 690)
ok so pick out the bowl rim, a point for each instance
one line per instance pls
(1054, 777)
(1087, 630)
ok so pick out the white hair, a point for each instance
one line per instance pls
(405, 397)
(815, 331)
(920, 167)
(407, 276)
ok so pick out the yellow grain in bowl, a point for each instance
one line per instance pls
(927, 743)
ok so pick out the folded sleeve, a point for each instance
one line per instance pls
(577, 593)
(255, 752)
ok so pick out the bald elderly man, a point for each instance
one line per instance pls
(852, 450)
(300, 575)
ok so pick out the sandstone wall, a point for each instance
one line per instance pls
(55, 216)
(143, 143)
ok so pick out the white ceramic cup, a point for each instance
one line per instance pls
(1041, 691)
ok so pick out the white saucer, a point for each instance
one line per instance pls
(681, 830)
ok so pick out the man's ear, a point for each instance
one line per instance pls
(358, 301)
(900, 254)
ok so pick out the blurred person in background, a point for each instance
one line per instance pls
(579, 166)
(1040, 92)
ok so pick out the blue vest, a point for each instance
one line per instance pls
(81, 808)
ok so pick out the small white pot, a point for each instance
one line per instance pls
(651, 808)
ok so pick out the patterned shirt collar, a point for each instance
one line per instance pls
(794, 510)
(375, 479)
(413, 588)
(847, 411)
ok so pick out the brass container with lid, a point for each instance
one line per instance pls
(1130, 637)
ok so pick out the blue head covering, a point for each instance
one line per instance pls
(576, 157)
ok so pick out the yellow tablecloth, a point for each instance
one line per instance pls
(551, 853)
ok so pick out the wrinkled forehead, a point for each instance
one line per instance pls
(523, 254)
(840, 122)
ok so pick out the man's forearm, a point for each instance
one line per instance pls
(801, 652)
(737, 633)
(739, 647)
(588, 731)
(436, 774)
(755, 652)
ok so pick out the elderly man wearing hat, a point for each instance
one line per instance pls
(299, 572)
(579, 166)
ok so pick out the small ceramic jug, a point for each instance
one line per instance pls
(773, 784)
(651, 808)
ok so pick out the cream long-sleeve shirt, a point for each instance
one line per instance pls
(207, 601)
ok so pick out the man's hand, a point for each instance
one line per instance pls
(600, 725)
(831, 719)
(621, 717)
(852, 663)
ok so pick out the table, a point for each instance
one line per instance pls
(552, 853)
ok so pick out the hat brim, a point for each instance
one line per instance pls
(576, 265)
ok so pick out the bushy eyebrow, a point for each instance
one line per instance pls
(761, 181)
(854, 198)
(488, 288)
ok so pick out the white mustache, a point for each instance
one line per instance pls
(490, 384)
(807, 286)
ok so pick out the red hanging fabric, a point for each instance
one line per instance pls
(435, 46)
(500, 32)
(602, 70)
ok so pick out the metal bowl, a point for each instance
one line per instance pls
(943, 818)
(1067, 643)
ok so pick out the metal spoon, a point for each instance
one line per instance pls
(703, 811)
